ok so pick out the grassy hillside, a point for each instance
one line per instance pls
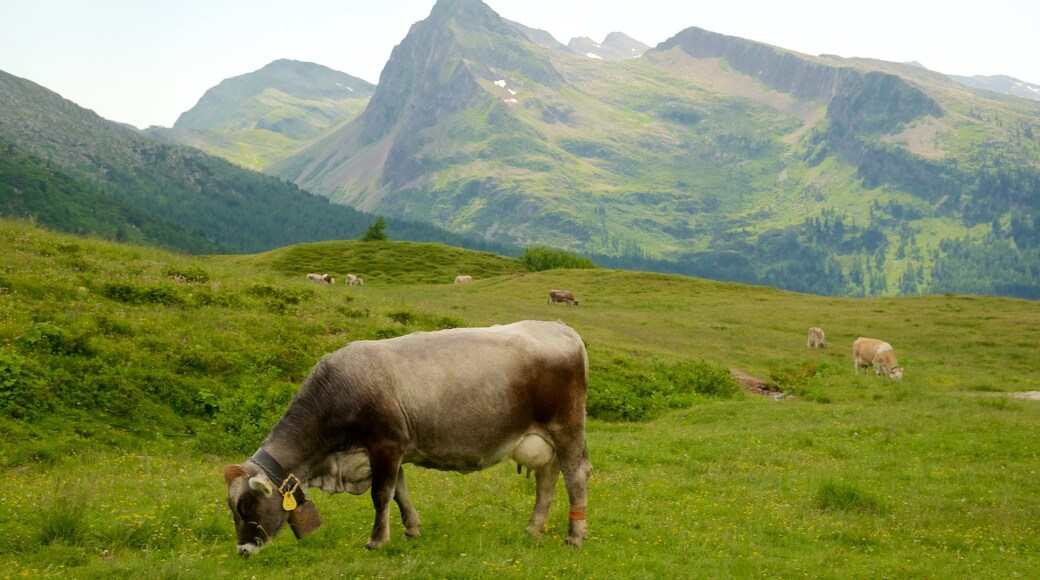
(130, 376)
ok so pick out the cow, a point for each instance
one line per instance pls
(353, 280)
(461, 399)
(462, 279)
(321, 278)
(871, 351)
(562, 296)
(816, 338)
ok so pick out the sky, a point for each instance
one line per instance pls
(145, 62)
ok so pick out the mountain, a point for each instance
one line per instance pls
(72, 170)
(709, 155)
(1001, 84)
(269, 113)
(540, 37)
(616, 46)
(30, 188)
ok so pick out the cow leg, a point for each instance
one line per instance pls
(576, 467)
(409, 517)
(385, 468)
(545, 483)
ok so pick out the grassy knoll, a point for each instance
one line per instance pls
(129, 376)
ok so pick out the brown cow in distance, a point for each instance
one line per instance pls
(871, 351)
(562, 296)
(321, 278)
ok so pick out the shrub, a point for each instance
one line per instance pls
(244, 415)
(279, 299)
(128, 293)
(802, 380)
(625, 391)
(539, 259)
(614, 397)
(21, 392)
(193, 274)
(702, 377)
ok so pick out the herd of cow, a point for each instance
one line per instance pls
(866, 352)
(461, 399)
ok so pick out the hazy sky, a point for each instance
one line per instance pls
(145, 62)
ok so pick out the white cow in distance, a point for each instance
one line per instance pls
(816, 338)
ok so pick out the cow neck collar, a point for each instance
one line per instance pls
(278, 475)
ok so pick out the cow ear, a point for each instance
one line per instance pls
(304, 519)
(233, 472)
(261, 485)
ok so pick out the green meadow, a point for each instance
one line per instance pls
(130, 376)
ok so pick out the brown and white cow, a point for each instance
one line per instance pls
(321, 278)
(562, 296)
(463, 278)
(816, 338)
(353, 280)
(462, 399)
(871, 351)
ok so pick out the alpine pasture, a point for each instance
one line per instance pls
(130, 376)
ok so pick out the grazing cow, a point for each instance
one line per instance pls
(462, 279)
(461, 399)
(871, 351)
(321, 278)
(562, 296)
(353, 280)
(816, 338)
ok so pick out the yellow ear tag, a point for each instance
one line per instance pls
(288, 501)
(287, 489)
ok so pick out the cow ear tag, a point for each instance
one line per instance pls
(288, 490)
(288, 502)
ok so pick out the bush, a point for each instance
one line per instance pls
(244, 415)
(614, 397)
(280, 299)
(702, 377)
(133, 294)
(625, 392)
(541, 259)
(193, 274)
(21, 392)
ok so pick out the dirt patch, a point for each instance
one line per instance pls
(758, 386)
(1031, 395)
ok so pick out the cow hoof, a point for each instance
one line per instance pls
(574, 542)
(412, 533)
(535, 530)
(374, 543)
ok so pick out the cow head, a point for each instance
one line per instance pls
(260, 511)
(895, 373)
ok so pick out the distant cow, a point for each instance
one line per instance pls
(353, 280)
(562, 296)
(321, 278)
(816, 338)
(462, 279)
(462, 399)
(871, 351)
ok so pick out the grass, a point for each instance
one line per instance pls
(126, 412)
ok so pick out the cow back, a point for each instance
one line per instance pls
(465, 396)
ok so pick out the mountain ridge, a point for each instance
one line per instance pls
(491, 133)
